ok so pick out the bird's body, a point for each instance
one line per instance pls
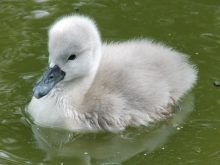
(107, 86)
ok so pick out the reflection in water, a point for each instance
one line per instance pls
(8, 157)
(110, 148)
(37, 14)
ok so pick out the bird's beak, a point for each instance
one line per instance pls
(52, 77)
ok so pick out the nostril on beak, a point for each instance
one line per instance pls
(51, 77)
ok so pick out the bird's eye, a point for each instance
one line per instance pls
(72, 57)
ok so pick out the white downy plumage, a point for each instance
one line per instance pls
(108, 86)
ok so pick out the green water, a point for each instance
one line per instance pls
(189, 137)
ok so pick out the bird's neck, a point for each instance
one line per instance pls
(76, 89)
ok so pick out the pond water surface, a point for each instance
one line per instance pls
(191, 136)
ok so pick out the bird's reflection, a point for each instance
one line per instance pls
(105, 147)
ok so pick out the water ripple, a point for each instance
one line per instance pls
(211, 37)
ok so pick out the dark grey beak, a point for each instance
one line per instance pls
(52, 77)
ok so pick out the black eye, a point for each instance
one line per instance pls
(72, 57)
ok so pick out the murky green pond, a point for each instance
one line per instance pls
(191, 136)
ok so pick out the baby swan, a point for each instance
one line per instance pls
(90, 86)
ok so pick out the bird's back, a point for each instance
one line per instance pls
(138, 79)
